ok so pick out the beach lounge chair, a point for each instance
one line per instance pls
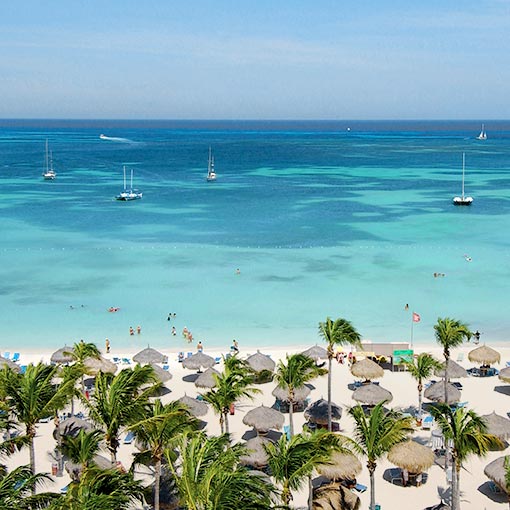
(23, 369)
(217, 359)
(126, 361)
(130, 436)
(116, 360)
(15, 357)
(166, 367)
(360, 488)
(6, 355)
(63, 490)
(427, 422)
(286, 431)
(189, 355)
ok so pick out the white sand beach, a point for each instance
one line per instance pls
(482, 394)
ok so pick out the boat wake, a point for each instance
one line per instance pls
(115, 139)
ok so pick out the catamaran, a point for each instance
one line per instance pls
(211, 174)
(49, 174)
(463, 200)
(129, 194)
(483, 134)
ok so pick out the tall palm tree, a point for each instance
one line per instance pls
(230, 387)
(82, 448)
(421, 368)
(81, 351)
(158, 431)
(468, 435)
(209, 476)
(339, 332)
(119, 401)
(375, 434)
(34, 395)
(299, 370)
(450, 333)
(292, 461)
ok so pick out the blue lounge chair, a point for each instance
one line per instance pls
(217, 359)
(166, 367)
(130, 436)
(189, 355)
(427, 422)
(63, 490)
(15, 357)
(126, 361)
(286, 431)
(6, 355)
(116, 360)
(360, 488)
(23, 369)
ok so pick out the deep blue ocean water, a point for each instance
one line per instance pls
(347, 219)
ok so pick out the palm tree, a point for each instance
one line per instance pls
(82, 448)
(292, 461)
(375, 434)
(421, 368)
(119, 401)
(467, 434)
(340, 332)
(299, 370)
(157, 432)
(209, 476)
(230, 387)
(34, 395)
(81, 351)
(450, 333)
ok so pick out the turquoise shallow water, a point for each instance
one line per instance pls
(319, 220)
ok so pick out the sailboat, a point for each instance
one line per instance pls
(49, 174)
(211, 174)
(129, 194)
(463, 200)
(483, 134)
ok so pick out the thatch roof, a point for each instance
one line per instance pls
(335, 497)
(497, 425)
(206, 379)
(259, 362)
(71, 427)
(196, 407)
(317, 412)
(455, 371)
(95, 365)
(341, 466)
(161, 375)
(74, 470)
(256, 456)
(149, 355)
(485, 355)
(316, 352)
(4, 362)
(412, 456)
(198, 361)
(63, 355)
(367, 369)
(371, 394)
(496, 471)
(504, 374)
(300, 394)
(436, 393)
(264, 418)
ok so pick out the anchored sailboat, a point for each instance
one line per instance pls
(211, 174)
(129, 194)
(463, 200)
(483, 134)
(49, 174)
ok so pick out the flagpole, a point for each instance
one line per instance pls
(412, 324)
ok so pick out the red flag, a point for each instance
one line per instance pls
(416, 317)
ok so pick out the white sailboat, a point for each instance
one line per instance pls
(49, 174)
(211, 174)
(129, 194)
(463, 200)
(483, 134)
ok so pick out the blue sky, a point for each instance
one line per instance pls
(259, 59)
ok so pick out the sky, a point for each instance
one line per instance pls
(258, 59)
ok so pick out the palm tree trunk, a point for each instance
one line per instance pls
(310, 493)
(420, 400)
(371, 470)
(455, 485)
(157, 479)
(286, 494)
(291, 417)
(222, 428)
(226, 423)
(31, 435)
(329, 390)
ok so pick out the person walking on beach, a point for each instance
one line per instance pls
(138, 329)
(107, 345)
(200, 347)
(235, 346)
(174, 331)
(131, 331)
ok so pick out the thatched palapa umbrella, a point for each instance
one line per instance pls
(256, 456)
(485, 355)
(371, 394)
(317, 412)
(300, 394)
(74, 470)
(436, 393)
(342, 466)
(412, 456)
(71, 427)
(63, 355)
(196, 407)
(497, 425)
(95, 365)
(198, 361)
(496, 471)
(206, 379)
(161, 375)
(455, 371)
(264, 418)
(504, 374)
(316, 352)
(149, 355)
(367, 369)
(259, 362)
(4, 362)
(335, 497)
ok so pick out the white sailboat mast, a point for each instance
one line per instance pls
(463, 170)
(124, 168)
(47, 167)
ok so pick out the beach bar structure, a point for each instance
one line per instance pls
(396, 353)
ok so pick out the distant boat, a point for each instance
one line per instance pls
(103, 137)
(483, 134)
(211, 174)
(49, 174)
(463, 200)
(129, 194)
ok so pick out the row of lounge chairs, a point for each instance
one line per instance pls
(15, 356)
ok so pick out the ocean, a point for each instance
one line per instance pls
(306, 220)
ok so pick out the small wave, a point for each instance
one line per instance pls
(115, 139)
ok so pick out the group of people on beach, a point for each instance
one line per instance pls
(132, 331)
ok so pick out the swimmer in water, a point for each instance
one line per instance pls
(467, 258)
